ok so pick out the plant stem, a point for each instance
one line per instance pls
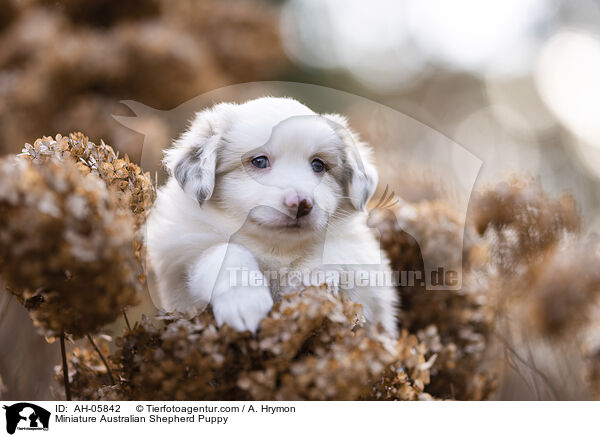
(112, 380)
(126, 320)
(65, 367)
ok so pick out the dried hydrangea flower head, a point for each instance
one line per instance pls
(89, 379)
(545, 283)
(548, 323)
(66, 64)
(564, 290)
(521, 221)
(312, 346)
(137, 191)
(456, 325)
(66, 246)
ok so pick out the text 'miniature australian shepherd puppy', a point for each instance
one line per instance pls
(257, 193)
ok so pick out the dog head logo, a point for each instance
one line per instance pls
(26, 416)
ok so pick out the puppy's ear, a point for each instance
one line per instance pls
(360, 175)
(192, 160)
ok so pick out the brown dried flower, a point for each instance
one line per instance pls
(66, 247)
(456, 325)
(521, 221)
(65, 65)
(545, 284)
(136, 188)
(564, 290)
(312, 346)
(88, 377)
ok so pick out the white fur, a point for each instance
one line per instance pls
(218, 212)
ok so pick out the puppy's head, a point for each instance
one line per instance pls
(274, 162)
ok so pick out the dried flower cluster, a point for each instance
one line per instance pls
(435, 224)
(87, 373)
(312, 346)
(135, 187)
(456, 325)
(65, 246)
(544, 279)
(65, 65)
(521, 221)
(564, 289)
(544, 274)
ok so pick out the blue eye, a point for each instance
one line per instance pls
(260, 162)
(317, 165)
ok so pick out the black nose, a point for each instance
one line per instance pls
(304, 208)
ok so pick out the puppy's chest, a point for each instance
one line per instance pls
(283, 273)
(268, 262)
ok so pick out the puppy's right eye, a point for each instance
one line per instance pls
(260, 162)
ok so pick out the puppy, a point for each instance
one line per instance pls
(264, 190)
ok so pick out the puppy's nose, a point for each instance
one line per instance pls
(304, 207)
(302, 204)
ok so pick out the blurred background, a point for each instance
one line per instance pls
(515, 82)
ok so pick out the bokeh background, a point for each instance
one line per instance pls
(515, 82)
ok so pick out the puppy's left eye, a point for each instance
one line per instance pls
(317, 165)
(260, 162)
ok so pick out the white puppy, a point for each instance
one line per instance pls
(264, 190)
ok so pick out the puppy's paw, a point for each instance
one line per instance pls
(243, 308)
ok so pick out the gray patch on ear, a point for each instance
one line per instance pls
(362, 202)
(202, 195)
(180, 172)
(347, 174)
(350, 176)
(183, 168)
(359, 184)
(189, 169)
